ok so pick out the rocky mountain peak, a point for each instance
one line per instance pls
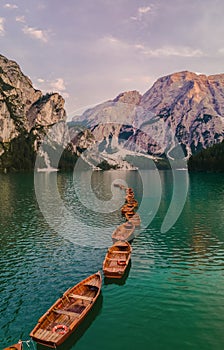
(186, 89)
(131, 97)
(21, 105)
(23, 109)
(11, 77)
(183, 107)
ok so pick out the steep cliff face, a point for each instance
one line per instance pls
(16, 96)
(190, 105)
(181, 108)
(25, 114)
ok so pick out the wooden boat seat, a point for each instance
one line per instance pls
(92, 287)
(45, 334)
(119, 251)
(65, 312)
(83, 297)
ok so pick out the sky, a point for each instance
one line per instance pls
(91, 50)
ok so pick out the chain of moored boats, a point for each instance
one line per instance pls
(65, 315)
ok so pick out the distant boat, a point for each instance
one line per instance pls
(132, 201)
(65, 315)
(129, 191)
(135, 219)
(129, 214)
(126, 207)
(124, 232)
(117, 259)
(129, 197)
(18, 346)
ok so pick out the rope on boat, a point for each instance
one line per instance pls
(28, 343)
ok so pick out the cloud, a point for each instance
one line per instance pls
(58, 84)
(119, 46)
(36, 33)
(10, 6)
(2, 29)
(143, 10)
(20, 19)
(112, 42)
(166, 51)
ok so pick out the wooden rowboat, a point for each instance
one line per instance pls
(126, 207)
(18, 346)
(124, 232)
(132, 201)
(135, 219)
(129, 191)
(117, 260)
(65, 315)
(129, 214)
(129, 196)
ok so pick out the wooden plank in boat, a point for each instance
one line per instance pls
(44, 334)
(118, 251)
(83, 297)
(66, 312)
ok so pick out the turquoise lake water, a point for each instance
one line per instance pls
(172, 297)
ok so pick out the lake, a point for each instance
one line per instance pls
(56, 232)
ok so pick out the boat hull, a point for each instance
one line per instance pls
(117, 260)
(66, 314)
(126, 208)
(18, 346)
(124, 232)
(135, 220)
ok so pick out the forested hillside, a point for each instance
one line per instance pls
(210, 159)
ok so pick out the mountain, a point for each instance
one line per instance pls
(191, 105)
(25, 116)
(181, 114)
(183, 108)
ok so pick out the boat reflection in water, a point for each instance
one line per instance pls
(119, 281)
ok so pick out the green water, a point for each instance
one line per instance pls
(173, 294)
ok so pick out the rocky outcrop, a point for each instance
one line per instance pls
(46, 111)
(25, 113)
(130, 97)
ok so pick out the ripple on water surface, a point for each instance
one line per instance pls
(172, 297)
